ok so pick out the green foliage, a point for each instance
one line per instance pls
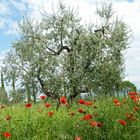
(127, 86)
(67, 57)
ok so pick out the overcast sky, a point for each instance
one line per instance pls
(12, 11)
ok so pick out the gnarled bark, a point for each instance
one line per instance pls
(44, 87)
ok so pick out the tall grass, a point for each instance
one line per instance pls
(36, 123)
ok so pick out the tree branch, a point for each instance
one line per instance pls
(59, 50)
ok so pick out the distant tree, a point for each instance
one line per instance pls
(127, 86)
(3, 94)
(10, 71)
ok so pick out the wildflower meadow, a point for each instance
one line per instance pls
(93, 119)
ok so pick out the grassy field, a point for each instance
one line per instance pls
(97, 119)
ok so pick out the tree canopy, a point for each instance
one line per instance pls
(61, 56)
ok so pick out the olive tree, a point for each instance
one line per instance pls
(69, 58)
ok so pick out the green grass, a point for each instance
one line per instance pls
(35, 124)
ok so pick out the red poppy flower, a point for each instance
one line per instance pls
(123, 101)
(47, 105)
(136, 100)
(118, 104)
(99, 124)
(81, 110)
(63, 100)
(50, 113)
(93, 123)
(122, 122)
(88, 103)
(133, 97)
(132, 93)
(115, 101)
(136, 108)
(77, 138)
(81, 101)
(87, 117)
(7, 135)
(42, 97)
(94, 106)
(130, 116)
(28, 105)
(8, 118)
